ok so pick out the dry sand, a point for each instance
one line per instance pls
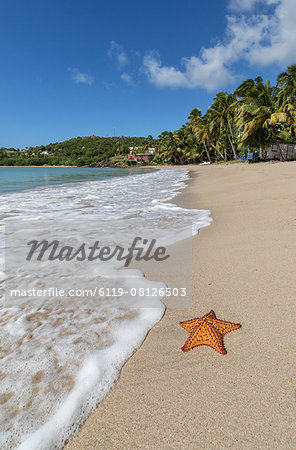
(243, 268)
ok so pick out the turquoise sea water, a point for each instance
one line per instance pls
(17, 179)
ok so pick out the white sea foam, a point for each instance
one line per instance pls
(61, 355)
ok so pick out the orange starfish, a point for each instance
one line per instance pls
(207, 330)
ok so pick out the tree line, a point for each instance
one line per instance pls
(255, 116)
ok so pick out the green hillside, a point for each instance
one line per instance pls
(80, 151)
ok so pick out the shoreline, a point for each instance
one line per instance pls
(243, 268)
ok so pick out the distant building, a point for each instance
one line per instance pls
(138, 157)
(282, 151)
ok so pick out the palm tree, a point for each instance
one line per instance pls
(187, 144)
(166, 146)
(172, 148)
(196, 123)
(222, 113)
(259, 115)
(201, 129)
(286, 82)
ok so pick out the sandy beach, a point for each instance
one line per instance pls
(243, 269)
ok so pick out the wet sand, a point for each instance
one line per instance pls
(244, 268)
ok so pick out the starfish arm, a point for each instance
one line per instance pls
(210, 315)
(190, 325)
(215, 339)
(194, 340)
(225, 327)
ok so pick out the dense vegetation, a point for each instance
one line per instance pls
(254, 116)
(80, 151)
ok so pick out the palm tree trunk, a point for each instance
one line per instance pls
(231, 143)
(206, 149)
(232, 139)
(264, 153)
(225, 154)
(218, 151)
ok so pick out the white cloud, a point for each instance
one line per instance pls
(248, 5)
(127, 78)
(280, 37)
(116, 52)
(82, 78)
(261, 39)
(209, 73)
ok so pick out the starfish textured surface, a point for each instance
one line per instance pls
(207, 330)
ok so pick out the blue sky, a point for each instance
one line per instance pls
(76, 68)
